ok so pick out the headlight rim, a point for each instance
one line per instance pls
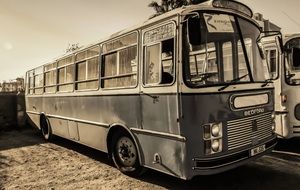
(217, 147)
(215, 125)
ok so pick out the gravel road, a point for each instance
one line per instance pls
(29, 162)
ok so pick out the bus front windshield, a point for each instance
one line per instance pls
(222, 49)
(292, 66)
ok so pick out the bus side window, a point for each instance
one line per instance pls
(87, 69)
(119, 62)
(159, 64)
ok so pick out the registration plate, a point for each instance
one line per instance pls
(257, 150)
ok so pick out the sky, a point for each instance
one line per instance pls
(34, 32)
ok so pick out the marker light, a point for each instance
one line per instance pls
(273, 126)
(283, 98)
(207, 132)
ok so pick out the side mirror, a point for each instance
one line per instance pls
(194, 31)
(271, 37)
(296, 57)
(262, 50)
(279, 44)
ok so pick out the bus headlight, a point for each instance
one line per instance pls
(215, 130)
(215, 145)
(212, 135)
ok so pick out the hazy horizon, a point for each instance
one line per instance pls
(34, 32)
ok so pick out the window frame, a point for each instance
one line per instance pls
(117, 51)
(144, 56)
(65, 75)
(242, 39)
(35, 74)
(56, 78)
(30, 74)
(86, 61)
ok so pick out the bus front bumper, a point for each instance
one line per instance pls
(224, 163)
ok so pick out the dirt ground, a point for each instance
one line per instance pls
(28, 162)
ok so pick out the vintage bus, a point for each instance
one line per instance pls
(285, 73)
(184, 93)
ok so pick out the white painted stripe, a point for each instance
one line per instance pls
(284, 152)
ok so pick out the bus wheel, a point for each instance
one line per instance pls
(46, 129)
(125, 155)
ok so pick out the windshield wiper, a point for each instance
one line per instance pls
(266, 82)
(233, 82)
(204, 77)
(289, 76)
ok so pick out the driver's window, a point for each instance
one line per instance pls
(295, 58)
(152, 70)
(159, 63)
(159, 55)
(292, 52)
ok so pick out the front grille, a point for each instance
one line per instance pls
(249, 130)
(296, 129)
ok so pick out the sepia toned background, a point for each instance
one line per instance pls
(34, 32)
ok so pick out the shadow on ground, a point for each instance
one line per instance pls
(289, 145)
(82, 149)
(17, 138)
(260, 174)
(248, 177)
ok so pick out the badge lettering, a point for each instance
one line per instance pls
(254, 111)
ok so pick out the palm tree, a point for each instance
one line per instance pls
(167, 5)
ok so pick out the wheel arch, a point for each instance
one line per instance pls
(42, 116)
(114, 128)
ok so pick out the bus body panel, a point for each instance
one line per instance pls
(292, 127)
(163, 153)
(198, 112)
(164, 118)
(93, 115)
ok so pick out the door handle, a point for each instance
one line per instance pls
(154, 97)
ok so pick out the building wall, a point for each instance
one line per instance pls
(13, 86)
(12, 109)
(265, 24)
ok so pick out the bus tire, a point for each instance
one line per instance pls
(124, 154)
(46, 128)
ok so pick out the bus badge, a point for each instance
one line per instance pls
(254, 111)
